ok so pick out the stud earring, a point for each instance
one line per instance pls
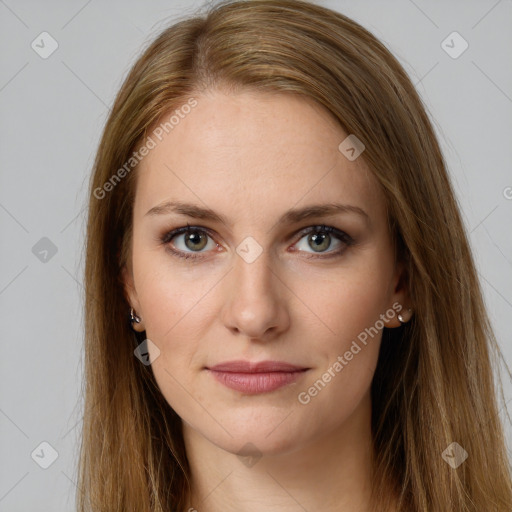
(133, 317)
(401, 318)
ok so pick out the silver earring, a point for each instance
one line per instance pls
(401, 318)
(134, 317)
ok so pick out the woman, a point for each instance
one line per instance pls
(271, 211)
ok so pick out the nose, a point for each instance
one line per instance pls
(256, 305)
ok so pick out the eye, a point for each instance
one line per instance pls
(321, 238)
(189, 238)
(192, 239)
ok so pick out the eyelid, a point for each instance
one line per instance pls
(172, 233)
(323, 228)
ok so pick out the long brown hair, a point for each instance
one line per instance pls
(434, 380)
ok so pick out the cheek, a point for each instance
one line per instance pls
(171, 305)
(349, 349)
(346, 355)
(349, 306)
(170, 293)
(348, 302)
(178, 302)
(173, 324)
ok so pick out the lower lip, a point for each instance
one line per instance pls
(254, 383)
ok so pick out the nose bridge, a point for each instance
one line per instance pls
(255, 304)
(253, 269)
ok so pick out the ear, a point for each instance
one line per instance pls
(400, 303)
(131, 296)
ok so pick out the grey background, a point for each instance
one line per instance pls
(52, 113)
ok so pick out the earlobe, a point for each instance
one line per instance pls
(131, 296)
(136, 322)
(398, 315)
(401, 312)
(405, 315)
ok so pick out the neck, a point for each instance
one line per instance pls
(333, 471)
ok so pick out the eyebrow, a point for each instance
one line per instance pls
(289, 217)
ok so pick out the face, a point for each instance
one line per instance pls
(261, 275)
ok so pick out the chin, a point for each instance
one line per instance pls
(256, 447)
(251, 440)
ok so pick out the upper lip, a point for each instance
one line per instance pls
(241, 366)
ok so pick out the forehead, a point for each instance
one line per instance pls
(250, 154)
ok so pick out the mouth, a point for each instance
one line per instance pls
(255, 378)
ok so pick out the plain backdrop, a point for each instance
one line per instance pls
(52, 112)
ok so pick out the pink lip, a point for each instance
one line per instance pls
(254, 378)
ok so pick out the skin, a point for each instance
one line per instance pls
(251, 156)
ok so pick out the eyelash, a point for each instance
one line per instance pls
(321, 228)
